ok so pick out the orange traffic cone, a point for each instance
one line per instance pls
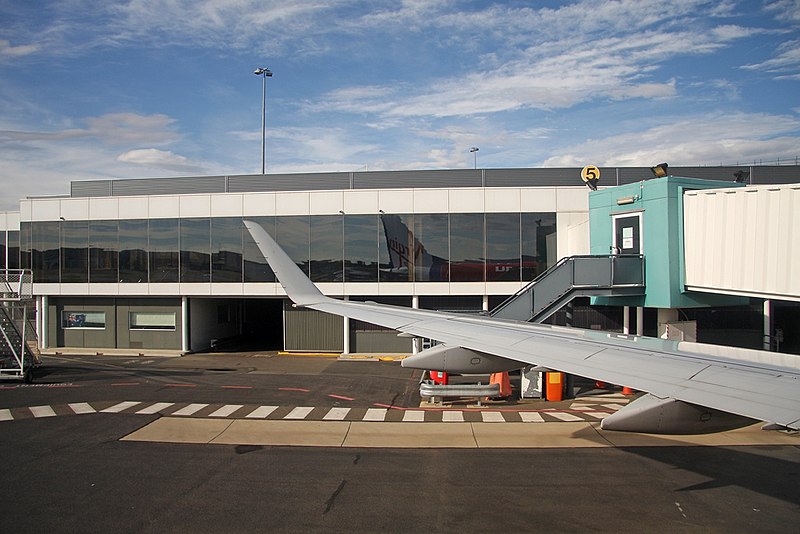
(505, 383)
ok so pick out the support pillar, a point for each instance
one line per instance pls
(639, 321)
(767, 345)
(415, 341)
(626, 320)
(184, 324)
(346, 336)
(41, 321)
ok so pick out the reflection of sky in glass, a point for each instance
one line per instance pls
(255, 266)
(361, 248)
(292, 234)
(466, 237)
(431, 231)
(326, 248)
(453, 247)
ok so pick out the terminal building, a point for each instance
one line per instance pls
(166, 263)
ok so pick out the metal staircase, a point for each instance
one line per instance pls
(18, 344)
(574, 276)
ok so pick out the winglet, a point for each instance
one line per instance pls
(300, 289)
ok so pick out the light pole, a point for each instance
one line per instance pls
(474, 151)
(265, 73)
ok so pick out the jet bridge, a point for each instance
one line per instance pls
(574, 276)
(18, 343)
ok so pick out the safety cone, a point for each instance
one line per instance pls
(627, 391)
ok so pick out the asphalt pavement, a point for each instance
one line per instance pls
(268, 443)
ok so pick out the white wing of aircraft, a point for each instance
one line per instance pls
(692, 388)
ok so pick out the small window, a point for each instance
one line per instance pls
(84, 319)
(152, 320)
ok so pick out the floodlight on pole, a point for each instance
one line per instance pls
(474, 151)
(265, 73)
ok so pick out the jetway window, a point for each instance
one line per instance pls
(152, 320)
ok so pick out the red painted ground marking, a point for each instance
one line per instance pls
(126, 384)
(340, 397)
(237, 387)
(180, 385)
(304, 390)
(392, 407)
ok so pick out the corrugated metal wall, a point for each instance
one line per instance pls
(550, 177)
(744, 241)
(311, 330)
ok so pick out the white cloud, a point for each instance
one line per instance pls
(710, 139)
(158, 159)
(9, 51)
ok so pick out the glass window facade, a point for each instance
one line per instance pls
(195, 258)
(75, 251)
(103, 251)
(455, 247)
(133, 251)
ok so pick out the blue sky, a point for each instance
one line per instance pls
(143, 88)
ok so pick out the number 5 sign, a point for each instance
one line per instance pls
(590, 175)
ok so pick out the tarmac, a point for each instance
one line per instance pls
(418, 435)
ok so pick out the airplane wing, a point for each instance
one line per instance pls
(682, 379)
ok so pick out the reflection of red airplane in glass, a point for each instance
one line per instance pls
(407, 255)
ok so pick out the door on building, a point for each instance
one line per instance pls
(628, 234)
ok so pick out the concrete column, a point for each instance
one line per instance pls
(415, 341)
(485, 304)
(767, 345)
(185, 324)
(626, 320)
(346, 336)
(41, 321)
(639, 321)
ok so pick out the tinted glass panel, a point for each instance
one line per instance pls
(226, 249)
(293, 234)
(326, 248)
(396, 248)
(74, 251)
(361, 248)
(163, 250)
(103, 251)
(255, 266)
(13, 249)
(25, 233)
(3, 249)
(45, 251)
(466, 247)
(195, 250)
(133, 251)
(538, 243)
(503, 247)
(431, 248)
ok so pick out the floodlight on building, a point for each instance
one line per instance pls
(741, 177)
(660, 170)
(474, 151)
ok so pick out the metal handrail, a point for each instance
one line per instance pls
(573, 261)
